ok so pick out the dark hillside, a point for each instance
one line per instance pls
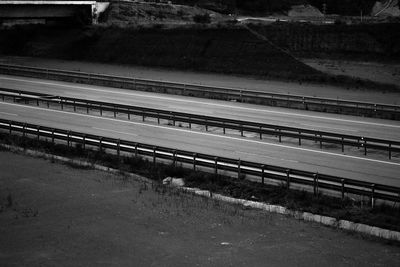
(364, 42)
(340, 7)
(225, 50)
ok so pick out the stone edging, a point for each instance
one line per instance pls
(306, 216)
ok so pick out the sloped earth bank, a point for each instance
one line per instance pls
(54, 214)
(141, 13)
(225, 50)
(374, 71)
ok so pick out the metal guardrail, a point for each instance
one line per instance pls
(316, 181)
(250, 96)
(365, 143)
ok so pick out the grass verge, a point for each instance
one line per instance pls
(384, 216)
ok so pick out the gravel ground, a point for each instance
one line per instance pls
(56, 215)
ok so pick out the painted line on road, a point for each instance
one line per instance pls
(264, 156)
(108, 130)
(325, 127)
(209, 104)
(204, 133)
(10, 114)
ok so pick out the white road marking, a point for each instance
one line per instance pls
(209, 104)
(325, 127)
(10, 114)
(108, 130)
(205, 133)
(263, 156)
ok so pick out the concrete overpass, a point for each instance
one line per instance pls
(49, 9)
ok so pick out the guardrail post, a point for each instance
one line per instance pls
(299, 138)
(129, 114)
(280, 136)
(239, 163)
(342, 145)
(223, 127)
(118, 147)
(365, 147)
(288, 178)
(115, 113)
(262, 174)
(320, 141)
(52, 136)
(68, 138)
(154, 155)
(158, 118)
(260, 132)
(343, 189)
(190, 124)
(84, 141)
(101, 110)
(205, 123)
(241, 130)
(174, 158)
(62, 103)
(315, 184)
(144, 118)
(23, 130)
(74, 106)
(194, 161)
(10, 126)
(100, 143)
(38, 132)
(390, 150)
(136, 150)
(37, 102)
(216, 166)
(372, 195)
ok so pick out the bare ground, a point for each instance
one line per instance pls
(240, 82)
(56, 215)
(373, 71)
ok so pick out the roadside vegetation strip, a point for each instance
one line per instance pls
(289, 177)
(296, 203)
(342, 140)
(257, 97)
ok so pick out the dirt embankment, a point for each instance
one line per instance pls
(365, 42)
(140, 13)
(225, 50)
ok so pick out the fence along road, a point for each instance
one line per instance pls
(257, 97)
(390, 146)
(315, 181)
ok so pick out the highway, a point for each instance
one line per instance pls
(369, 127)
(361, 168)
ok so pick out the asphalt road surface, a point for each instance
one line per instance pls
(353, 125)
(346, 166)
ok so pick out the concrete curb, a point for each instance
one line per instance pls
(305, 216)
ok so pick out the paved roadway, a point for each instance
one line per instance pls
(352, 125)
(204, 142)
